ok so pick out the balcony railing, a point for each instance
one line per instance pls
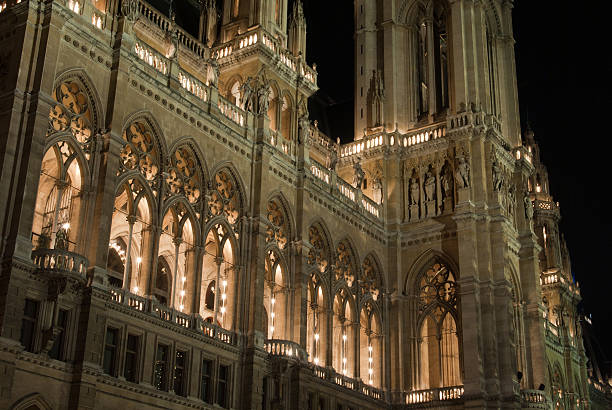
(434, 395)
(332, 376)
(60, 261)
(285, 348)
(534, 399)
(193, 322)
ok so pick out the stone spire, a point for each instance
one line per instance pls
(297, 30)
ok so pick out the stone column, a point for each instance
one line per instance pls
(127, 272)
(148, 268)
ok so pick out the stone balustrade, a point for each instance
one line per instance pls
(534, 399)
(344, 191)
(151, 57)
(285, 348)
(232, 112)
(255, 38)
(328, 374)
(60, 261)
(156, 18)
(189, 321)
(434, 395)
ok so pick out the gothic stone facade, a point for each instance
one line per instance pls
(177, 234)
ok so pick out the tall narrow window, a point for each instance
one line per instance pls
(28, 324)
(162, 281)
(110, 351)
(277, 12)
(438, 347)
(236, 8)
(180, 362)
(130, 369)
(206, 382)
(161, 368)
(441, 58)
(57, 351)
(223, 386)
(422, 87)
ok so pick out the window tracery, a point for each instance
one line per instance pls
(72, 111)
(279, 229)
(183, 176)
(369, 282)
(225, 198)
(318, 253)
(140, 151)
(343, 268)
(439, 361)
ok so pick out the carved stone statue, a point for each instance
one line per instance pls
(528, 207)
(377, 190)
(332, 160)
(246, 90)
(358, 176)
(498, 177)
(61, 239)
(414, 191)
(463, 173)
(263, 97)
(212, 73)
(430, 186)
(129, 9)
(304, 129)
(447, 183)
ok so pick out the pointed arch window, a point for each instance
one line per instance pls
(438, 337)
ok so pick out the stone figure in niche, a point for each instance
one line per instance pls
(247, 94)
(511, 200)
(377, 190)
(498, 177)
(129, 8)
(304, 129)
(61, 239)
(358, 176)
(263, 97)
(528, 207)
(414, 191)
(447, 182)
(332, 159)
(430, 186)
(463, 173)
(212, 73)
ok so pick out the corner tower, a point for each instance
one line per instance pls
(433, 58)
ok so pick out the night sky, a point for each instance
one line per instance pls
(563, 66)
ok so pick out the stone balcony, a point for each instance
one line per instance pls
(58, 262)
(192, 322)
(442, 397)
(534, 399)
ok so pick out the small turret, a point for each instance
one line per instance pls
(297, 30)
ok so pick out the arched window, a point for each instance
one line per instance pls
(371, 335)
(344, 325)
(58, 204)
(276, 298)
(286, 116)
(439, 353)
(163, 281)
(316, 343)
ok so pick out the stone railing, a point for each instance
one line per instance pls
(282, 144)
(285, 348)
(189, 321)
(259, 37)
(193, 85)
(556, 277)
(412, 138)
(534, 399)
(320, 142)
(344, 191)
(319, 171)
(60, 261)
(232, 112)
(434, 395)
(156, 18)
(151, 57)
(328, 374)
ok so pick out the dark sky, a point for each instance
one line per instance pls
(563, 67)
